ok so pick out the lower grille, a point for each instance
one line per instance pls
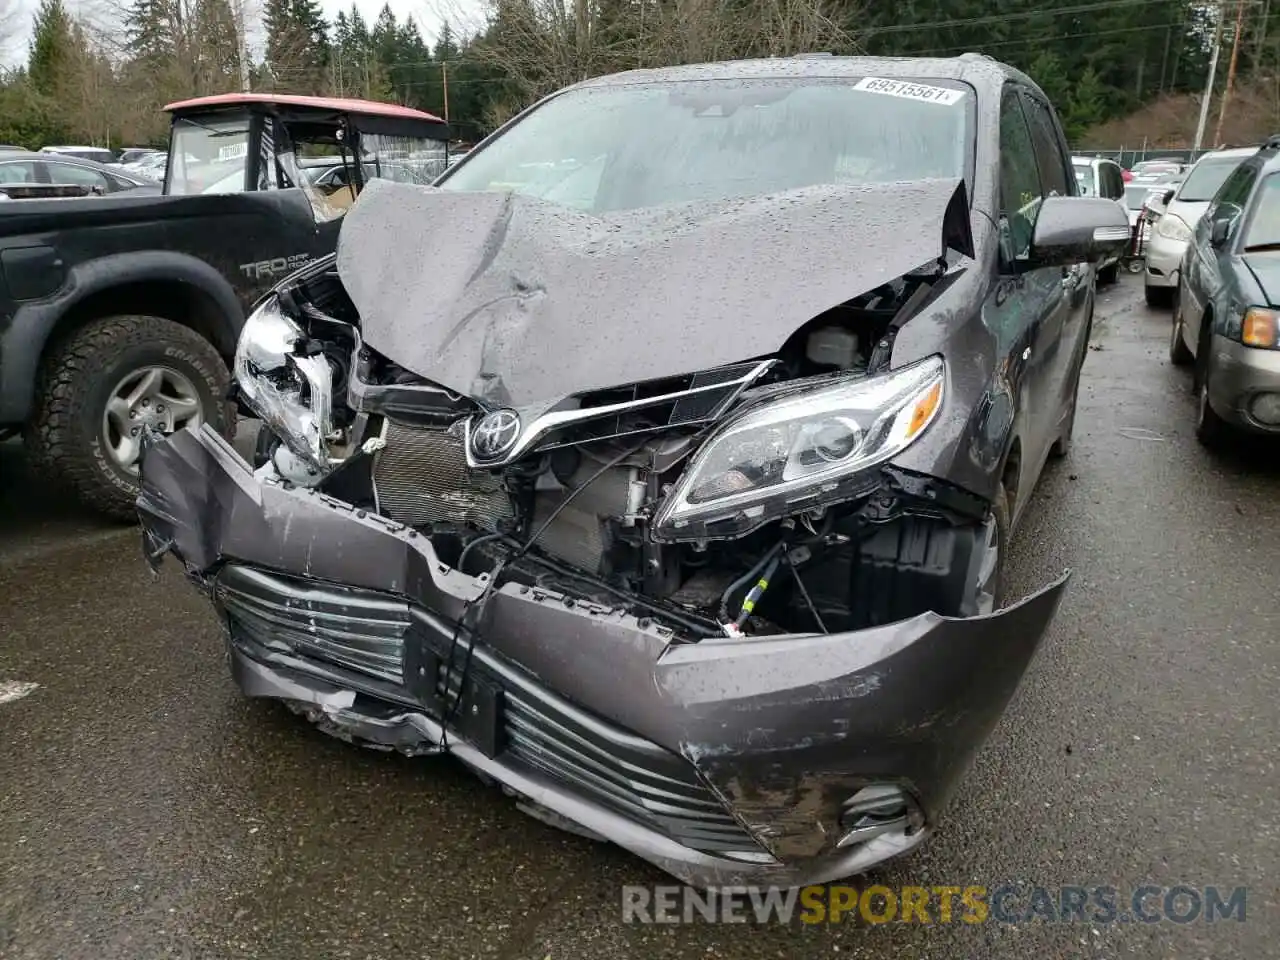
(357, 629)
(421, 477)
(364, 633)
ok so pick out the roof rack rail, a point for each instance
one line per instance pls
(812, 55)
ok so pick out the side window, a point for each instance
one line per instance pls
(1019, 178)
(20, 171)
(1048, 147)
(80, 176)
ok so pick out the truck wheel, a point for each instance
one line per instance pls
(99, 387)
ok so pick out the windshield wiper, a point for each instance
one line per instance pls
(1260, 247)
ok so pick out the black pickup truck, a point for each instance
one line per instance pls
(120, 312)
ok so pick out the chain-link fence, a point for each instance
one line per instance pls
(1127, 157)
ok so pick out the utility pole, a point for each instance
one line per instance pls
(1208, 87)
(1231, 71)
(444, 77)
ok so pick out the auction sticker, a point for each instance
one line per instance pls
(910, 91)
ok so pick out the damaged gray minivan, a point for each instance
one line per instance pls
(659, 462)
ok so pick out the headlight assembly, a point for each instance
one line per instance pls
(289, 389)
(1172, 227)
(800, 452)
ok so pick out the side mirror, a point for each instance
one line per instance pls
(1071, 229)
(1220, 231)
(1168, 197)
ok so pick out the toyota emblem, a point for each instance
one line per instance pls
(495, 435)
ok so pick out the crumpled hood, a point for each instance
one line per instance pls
(519, 302)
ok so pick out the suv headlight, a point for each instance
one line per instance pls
(290, 390)
(800, 452)
(1172, 227)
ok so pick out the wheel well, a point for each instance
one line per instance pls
(1206, 327)
(1012, 471)
(183, 303)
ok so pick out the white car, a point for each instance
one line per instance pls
(1100, 177)
(1173, 230)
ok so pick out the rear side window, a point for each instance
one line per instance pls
(1055, 178)
(1020, 191)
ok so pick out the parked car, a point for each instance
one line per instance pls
(1100, 177)
(123, 310)
(1148, 168)
(1226, 318)
(133, 154)
(26, 167)
(96, 154)
(1182, 211)
(672, 492)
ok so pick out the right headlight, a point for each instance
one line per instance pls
(1173, 227)
(800, 452)
(290, 389)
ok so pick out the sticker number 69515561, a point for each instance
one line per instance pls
(909, 90)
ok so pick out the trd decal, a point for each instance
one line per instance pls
(275, 267)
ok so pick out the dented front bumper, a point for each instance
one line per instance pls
(725, 762)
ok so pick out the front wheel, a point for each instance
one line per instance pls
(104, 385)
(1211, 430)
(1179, 354)
(1109, 275)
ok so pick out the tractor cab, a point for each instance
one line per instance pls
(327, 148)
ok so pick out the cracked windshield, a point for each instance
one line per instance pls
(642, 480)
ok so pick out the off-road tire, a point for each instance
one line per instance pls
(1109, 275)
(63, 437)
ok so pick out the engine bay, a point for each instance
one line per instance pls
(576, 510)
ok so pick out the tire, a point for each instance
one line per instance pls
(69, 439)
(1109, 275)
(1001, 515)
(1180, 354)
(1158, 297)
(1211, 430)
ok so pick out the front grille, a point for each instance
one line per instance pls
(421, 477)
(364, 632)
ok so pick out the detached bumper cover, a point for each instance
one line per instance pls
(1164, 260)
(724, 762)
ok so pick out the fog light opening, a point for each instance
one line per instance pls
(875, 810)
(1265, 408)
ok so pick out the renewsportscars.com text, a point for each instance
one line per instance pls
(1006, 903)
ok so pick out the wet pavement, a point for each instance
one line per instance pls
(147, 810)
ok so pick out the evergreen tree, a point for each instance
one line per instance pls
(297, 45)
(52, 48)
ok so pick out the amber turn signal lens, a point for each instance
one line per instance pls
(924, 410)
(1260, 328)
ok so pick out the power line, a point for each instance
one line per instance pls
(1053, 39)
(1002, 18)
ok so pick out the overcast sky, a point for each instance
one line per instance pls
(429, 14)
